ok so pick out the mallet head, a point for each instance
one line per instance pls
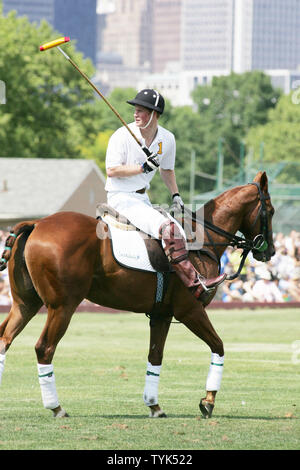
(56, 42)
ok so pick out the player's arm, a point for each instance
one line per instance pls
(169, 178)
(122, 171)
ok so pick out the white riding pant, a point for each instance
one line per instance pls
(138, 209)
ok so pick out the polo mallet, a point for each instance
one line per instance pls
(62, 40)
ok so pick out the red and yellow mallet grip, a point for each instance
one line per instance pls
(55, 43)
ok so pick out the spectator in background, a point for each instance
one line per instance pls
(283, 285)
(250, 295)
(275, 281)
(233, 291)
(225, 259)
(235, 260)
(265, 290)
(4, 292)
(3, 236)
(294, 289)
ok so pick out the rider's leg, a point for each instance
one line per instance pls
(138, 209)
(175, 247)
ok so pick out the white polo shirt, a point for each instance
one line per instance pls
(122, 149)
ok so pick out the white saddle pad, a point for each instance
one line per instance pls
(128, 246)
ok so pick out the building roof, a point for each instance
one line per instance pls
(37, 187)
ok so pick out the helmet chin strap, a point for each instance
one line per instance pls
(155, 104)
(149, 122)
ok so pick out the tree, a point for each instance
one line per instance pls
(185, 125)
(280, 137)
(228, 108)
(50, 110)
(118, 99)
(96, 148)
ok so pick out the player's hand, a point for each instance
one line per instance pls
(152, 163)
(177, 201)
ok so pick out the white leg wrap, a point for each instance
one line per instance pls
(48, 387)
(151, 385)
(214, 377)
(2, 361)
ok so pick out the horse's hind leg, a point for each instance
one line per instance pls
(56, 325)
(13, 324)
(198, 322)
(158, 333)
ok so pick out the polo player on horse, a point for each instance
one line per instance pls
(129, 177)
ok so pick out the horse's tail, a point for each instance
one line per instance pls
(22, 227)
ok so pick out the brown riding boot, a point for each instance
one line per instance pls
(175, 248)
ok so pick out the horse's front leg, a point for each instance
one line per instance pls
(213, 384)
(196, 319)
(158, 333)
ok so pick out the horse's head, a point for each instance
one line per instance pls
(257, 220)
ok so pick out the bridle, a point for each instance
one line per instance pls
(264, 226)
(258, 244)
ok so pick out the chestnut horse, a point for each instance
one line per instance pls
(59, 260)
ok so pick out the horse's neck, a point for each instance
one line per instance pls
(225, 212)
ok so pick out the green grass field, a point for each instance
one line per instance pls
(100, 367)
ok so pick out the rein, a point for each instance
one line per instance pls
(258, 244)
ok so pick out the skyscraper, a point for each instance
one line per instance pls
(128, 31)
(166, 33)
(35, 10)
(275, 34)
(240, 34)
(74, 18)
(207, 34)
(78, 19)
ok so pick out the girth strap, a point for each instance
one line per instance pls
(160, 287)
(159, 309)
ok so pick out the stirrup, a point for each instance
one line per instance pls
(205, 289)
(205, 295)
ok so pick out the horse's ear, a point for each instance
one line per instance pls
(262, 179)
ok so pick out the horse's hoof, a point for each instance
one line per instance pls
(157, 414)
(61, 414)
(206, 408)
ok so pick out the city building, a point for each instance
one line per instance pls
(126, 33)
(74, 18)
(35, 10)
(177, 43)
(166, 33)
(207, 34)
(177, 86)
(240, 35)
(221, 36)
(275, 34)
(78, 19)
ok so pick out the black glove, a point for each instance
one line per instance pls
(152, 162)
